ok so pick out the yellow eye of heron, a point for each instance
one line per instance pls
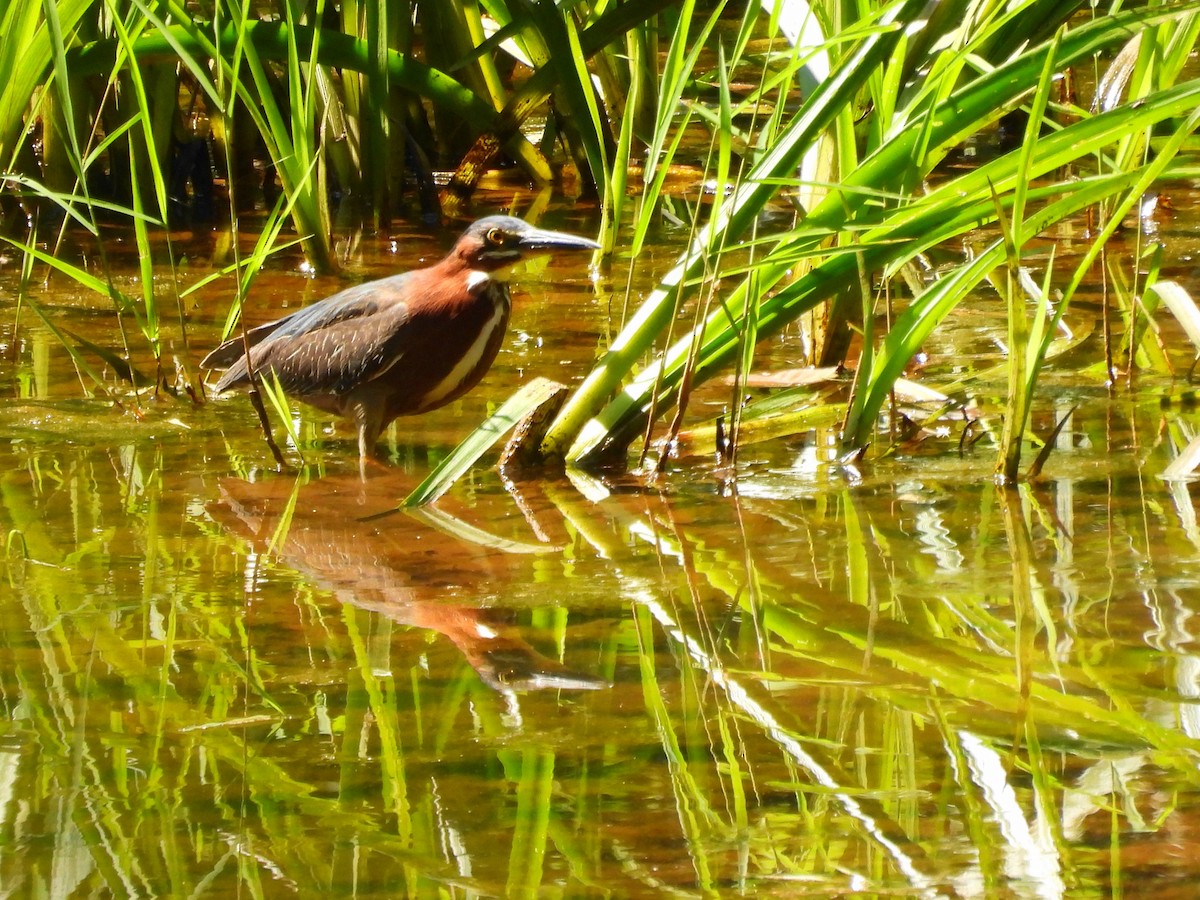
(497, 237)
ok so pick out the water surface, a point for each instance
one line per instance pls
(795, 676)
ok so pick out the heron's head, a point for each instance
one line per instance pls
(496, 243)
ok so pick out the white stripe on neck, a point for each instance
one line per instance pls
(469, 360)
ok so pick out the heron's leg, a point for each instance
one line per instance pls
(369, 422)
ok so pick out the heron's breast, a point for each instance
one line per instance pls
(474, 358)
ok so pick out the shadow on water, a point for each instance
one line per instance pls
(794, 677)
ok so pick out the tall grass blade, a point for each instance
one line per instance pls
(576, 435)
(479, 441)
(592, 437)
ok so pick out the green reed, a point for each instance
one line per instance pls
(342, 95)
(881, 201)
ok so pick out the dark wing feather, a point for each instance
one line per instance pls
(233, 349)
(331, 346)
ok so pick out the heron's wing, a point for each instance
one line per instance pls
(233, 349)
(331, 346)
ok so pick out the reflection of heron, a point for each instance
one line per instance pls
(400, 345)
(371, 569)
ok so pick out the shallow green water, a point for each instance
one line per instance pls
(798, 677)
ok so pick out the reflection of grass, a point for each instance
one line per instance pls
(993, 687)
(899, 689)
(165, 731)
(147, 739)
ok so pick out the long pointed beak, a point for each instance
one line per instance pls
(541, 240)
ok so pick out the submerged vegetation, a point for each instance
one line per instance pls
(824, 134)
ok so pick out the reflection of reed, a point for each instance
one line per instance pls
(397, 566)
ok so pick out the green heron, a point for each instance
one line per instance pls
(400, 345)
